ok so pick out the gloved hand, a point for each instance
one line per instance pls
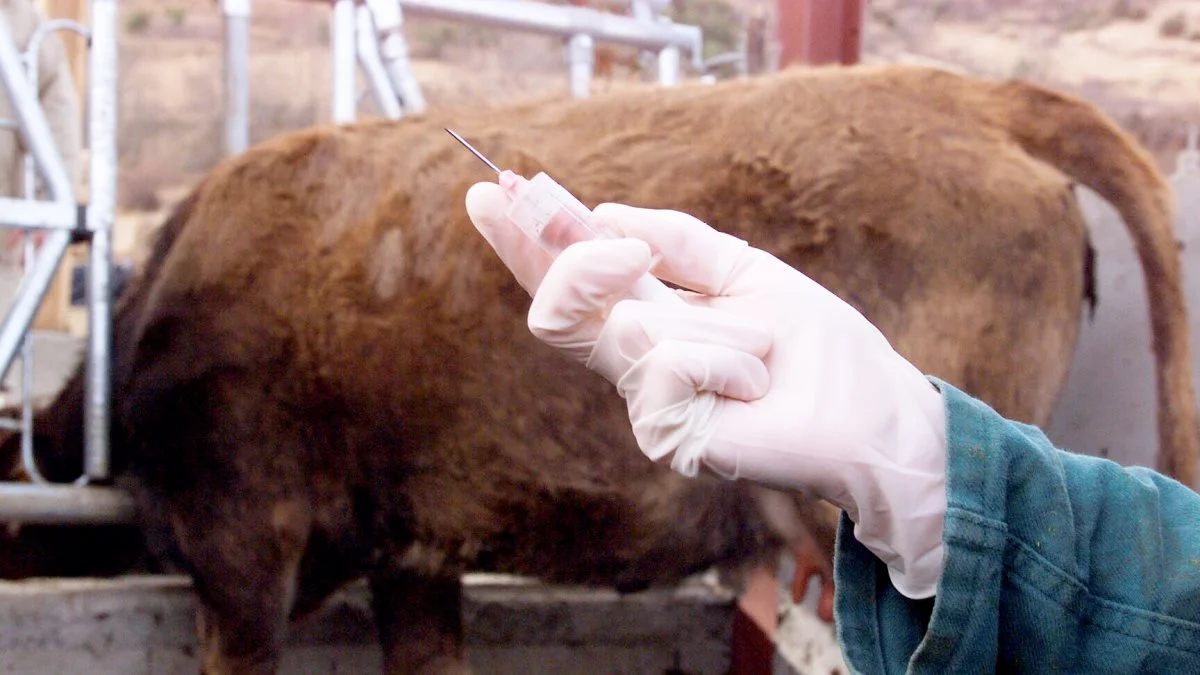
(811, 396)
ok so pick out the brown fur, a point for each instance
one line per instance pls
(323, 372)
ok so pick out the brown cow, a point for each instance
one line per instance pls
(323, 372)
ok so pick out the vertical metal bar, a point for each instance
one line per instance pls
(35, 131)
(344, 72)
(29, 295)
(641, 10)
(581, 61)
(27, 456)
(102, 197)
(393, 50)
(564, 21)
(32, 120)
(368, 56)
(237, 75)
(28, 459)
(668, 66)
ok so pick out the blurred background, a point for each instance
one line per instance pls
(1138, 59)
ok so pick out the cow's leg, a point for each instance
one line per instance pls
(223, 470)
(420, 623)
(245, 572)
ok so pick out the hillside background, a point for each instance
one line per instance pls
(1138, 59)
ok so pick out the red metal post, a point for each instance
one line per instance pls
(817, 32)
(755, 625)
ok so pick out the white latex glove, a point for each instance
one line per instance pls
(811, 396)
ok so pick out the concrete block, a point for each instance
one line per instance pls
(145, 626)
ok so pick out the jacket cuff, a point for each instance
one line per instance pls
(880, 629)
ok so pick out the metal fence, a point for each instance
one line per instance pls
(64, 222)
(366, 33)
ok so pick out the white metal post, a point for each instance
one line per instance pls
(344, 62)
(101, 210)
(372, 65)
(581, 61)
(237, 75)
(668, 66)
(32, 62)
(393, 50)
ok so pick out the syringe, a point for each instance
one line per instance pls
(555, 219)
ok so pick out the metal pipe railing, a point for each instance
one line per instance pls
(43, 502)
(57, 503)
(101, 214)
(32, 121)
(380, 22)
(368, 55)
(33, 77)
(64, 504)
(59, 214)
(343, 51)
(236, 15)
(581, 57)
(567, 22)
(393, 50)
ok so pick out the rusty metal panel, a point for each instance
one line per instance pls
(818, 32)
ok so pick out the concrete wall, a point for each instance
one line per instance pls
(145, 626)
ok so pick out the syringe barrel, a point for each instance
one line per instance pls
(550, 215)
(555, 219)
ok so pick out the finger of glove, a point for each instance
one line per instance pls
(635, 327)
(486, 207)
(660, 390)
(577, 290)
(691, 253)
(674, 371)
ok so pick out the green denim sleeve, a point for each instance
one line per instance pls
(1054, 562)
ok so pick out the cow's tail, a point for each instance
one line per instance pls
(1078, 139)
